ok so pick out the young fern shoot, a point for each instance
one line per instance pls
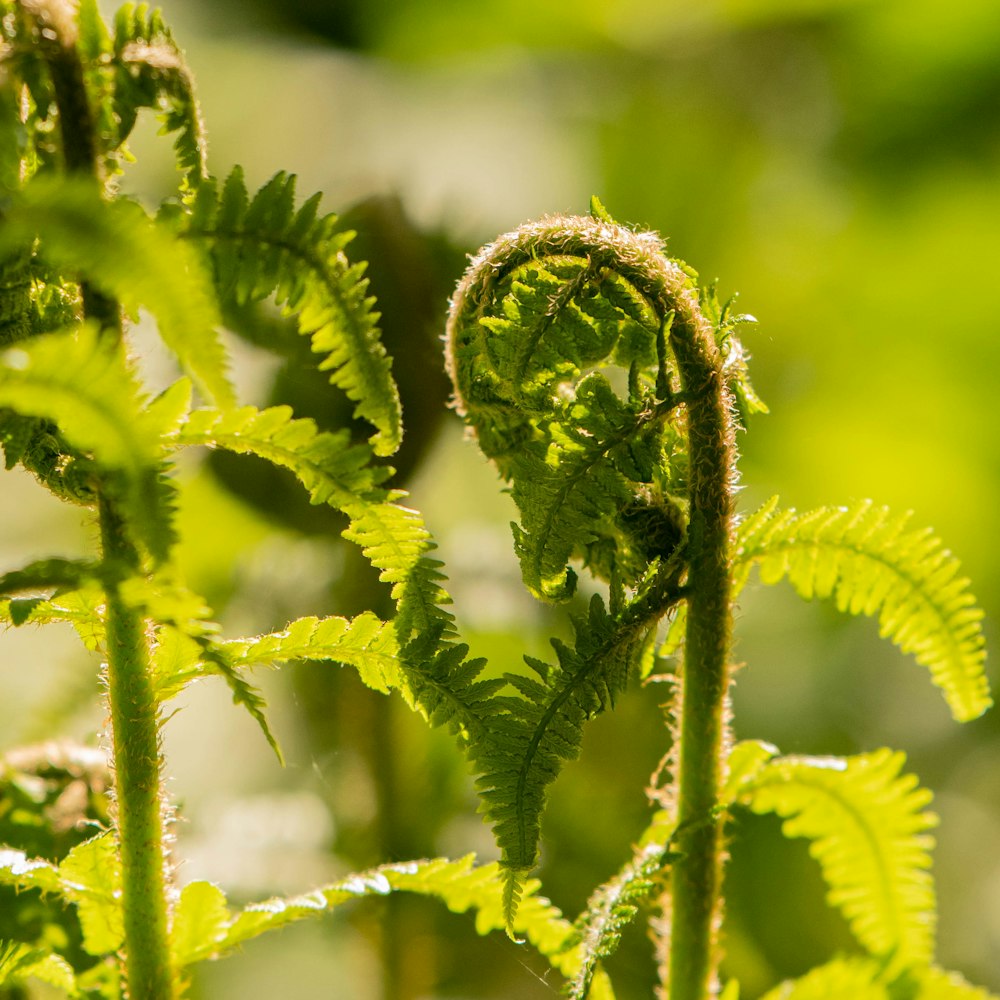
(637, 483)
(606, 388)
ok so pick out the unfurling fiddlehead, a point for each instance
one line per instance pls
(596, 377)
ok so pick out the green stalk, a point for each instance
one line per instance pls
(139, 813)
(132, 701)
(697, 873)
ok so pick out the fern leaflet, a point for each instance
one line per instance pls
(868, 826)
(264, 246)
(611, 908)
(532, 733)
(205, 927)
(117, 247)
(332, 469)
(150, 72)
(869, 561)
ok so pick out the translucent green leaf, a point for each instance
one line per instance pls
(871, 563)
(868, 826)
(119, 249)
(200, 922)
(90, 876)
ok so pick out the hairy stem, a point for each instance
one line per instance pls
(132, 701)
(134, 728)
(696, 874)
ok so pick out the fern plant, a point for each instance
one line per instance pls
(604, 385)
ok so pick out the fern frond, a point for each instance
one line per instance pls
(119, 249)
(532, 734)
(333, 470)
(592, 469)
(611, 908)
(868, 826)
(205, 927)
(871, 563)
(150, 72)
(266, 245)
(841, 979)
(79, 381)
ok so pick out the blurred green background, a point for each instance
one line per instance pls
(836, 162)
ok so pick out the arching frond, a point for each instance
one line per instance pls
(873, 564)
(266, 245)
(868, 826)
(205, 927)
(120, 250)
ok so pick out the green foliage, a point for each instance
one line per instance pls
(867, 559)
(264, 245)
(603, 384)
(868, 827)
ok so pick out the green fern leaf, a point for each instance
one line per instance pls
(868, 826)
(611, 908)
(459, 884)
(150, 72)
(871, 563)
(79, 381)
(333, 470)
(841, 979)
(532, 735)
(265, 246)
(363, 642)
(118, 248)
